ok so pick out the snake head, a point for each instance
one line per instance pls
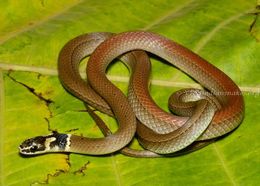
(44, 144)
(33, 146)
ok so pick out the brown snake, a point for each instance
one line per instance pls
(201, 115)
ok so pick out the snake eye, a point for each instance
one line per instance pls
(34, 148)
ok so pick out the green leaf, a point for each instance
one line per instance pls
(32, 100)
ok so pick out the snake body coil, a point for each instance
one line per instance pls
(201, 115)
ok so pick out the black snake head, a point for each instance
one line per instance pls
(43, 144)
(33, 146)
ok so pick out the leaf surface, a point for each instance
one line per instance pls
(32, 100)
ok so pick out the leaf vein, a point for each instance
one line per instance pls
(117, 172)
(170, 14)
(123, 79)
(223, 163)
(27, 27)
(204, 40)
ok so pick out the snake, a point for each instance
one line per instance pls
(199, 115)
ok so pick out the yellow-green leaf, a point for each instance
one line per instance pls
(32, 100)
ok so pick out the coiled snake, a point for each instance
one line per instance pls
(200, 115)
